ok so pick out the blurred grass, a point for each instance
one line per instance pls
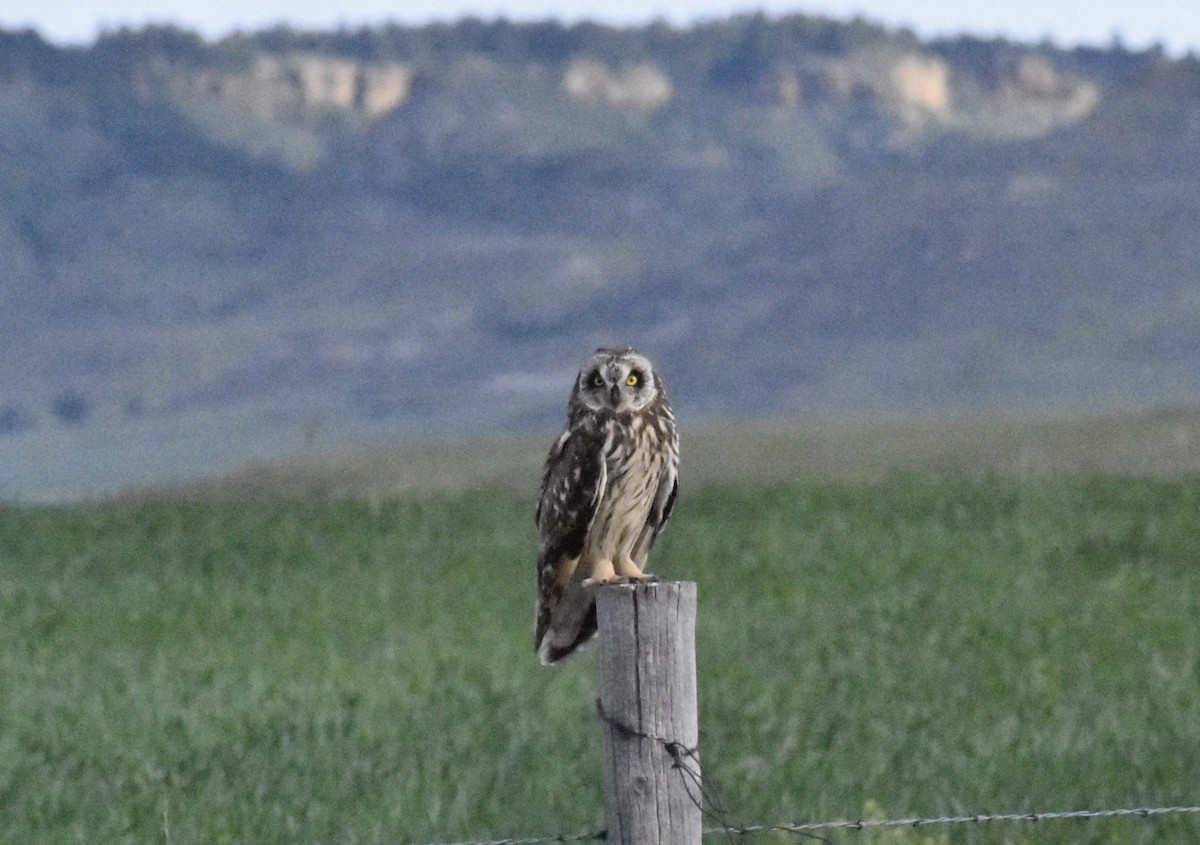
(361, 670)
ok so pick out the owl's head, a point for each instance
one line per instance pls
(617, 380)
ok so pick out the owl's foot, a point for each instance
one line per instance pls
(617, 572)
(603, 572)
(626, 568)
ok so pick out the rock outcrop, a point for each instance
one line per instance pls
(641, 86)
(292, 85)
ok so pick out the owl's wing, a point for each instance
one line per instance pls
(573, 482)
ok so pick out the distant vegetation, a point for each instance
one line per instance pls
(1161, 444)
(420, 229)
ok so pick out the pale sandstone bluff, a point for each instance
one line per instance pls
(274, 106)
(281, 105)
(921, 92)
(293, 84)
(641, 86)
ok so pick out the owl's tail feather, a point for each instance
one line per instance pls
(572, 623)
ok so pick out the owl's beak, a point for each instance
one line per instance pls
(616, 395)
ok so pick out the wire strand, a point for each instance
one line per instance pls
(867, 824)
(979, 818)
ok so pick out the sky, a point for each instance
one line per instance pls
(1173, 24)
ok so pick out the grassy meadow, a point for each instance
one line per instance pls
(360, 669)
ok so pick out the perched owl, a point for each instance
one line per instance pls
(607, 490)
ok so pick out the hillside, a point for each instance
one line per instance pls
(217, 252)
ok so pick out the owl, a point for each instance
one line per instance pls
(608, 487)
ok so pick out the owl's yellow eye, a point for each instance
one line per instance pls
(634, 379)
(597, 380)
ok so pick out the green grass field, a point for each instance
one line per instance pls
(352, 671)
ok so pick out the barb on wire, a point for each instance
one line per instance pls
(684, 760)
(699, 789)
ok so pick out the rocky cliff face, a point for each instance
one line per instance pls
(922, 92)
(282, 105)
(291, 85)
(276, 105)
(1039, 98)
(642, 86)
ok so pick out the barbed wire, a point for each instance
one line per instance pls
(867, 824)
(979, 818)
(685, 761)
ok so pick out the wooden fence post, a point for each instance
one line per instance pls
(647, 704)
